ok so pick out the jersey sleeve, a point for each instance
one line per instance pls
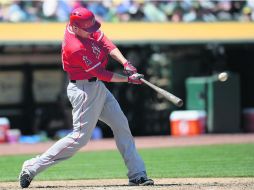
(107, 44)
(91, 66)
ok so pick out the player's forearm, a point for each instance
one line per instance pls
(118, 56)
(119, 78)
(108, 76)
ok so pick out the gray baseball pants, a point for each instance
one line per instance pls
(91, 101)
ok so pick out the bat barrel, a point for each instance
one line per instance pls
(171, 97)
(179, 103)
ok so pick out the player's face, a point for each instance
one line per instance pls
(81, 32)
(85, 32)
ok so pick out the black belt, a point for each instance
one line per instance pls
(89, 80)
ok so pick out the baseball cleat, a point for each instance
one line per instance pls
(24, 179)
(143, 181)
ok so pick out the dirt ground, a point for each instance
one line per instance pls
(160, 184)
(141, 142)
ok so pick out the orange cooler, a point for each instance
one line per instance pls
(187, 122)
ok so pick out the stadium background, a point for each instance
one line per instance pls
(167, 49)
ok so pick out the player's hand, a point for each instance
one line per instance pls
(135, 78)
(129, 69)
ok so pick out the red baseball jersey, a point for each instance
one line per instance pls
(86, 58)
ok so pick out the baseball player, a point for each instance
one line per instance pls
(85, 51)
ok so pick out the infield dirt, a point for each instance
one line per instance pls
(160, 184)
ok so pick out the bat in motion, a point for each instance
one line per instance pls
(171, 97)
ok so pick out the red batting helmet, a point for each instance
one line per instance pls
(84, 19)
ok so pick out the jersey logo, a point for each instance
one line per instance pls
(96, 50)
(88, 62)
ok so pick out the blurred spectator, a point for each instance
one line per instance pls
(153, 12)
(130, 10)
(15, 12)
(49, 9)
(100, 9)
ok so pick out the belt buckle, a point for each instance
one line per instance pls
(92, 79)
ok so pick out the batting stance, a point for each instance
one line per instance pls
(85, 52)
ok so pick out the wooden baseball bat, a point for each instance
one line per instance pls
(171, 97)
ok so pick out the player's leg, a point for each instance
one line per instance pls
(113, 116)
(87, 101)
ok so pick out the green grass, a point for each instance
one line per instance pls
(199, 161)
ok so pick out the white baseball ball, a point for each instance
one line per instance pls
(223, 76)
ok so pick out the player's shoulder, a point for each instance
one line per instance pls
(71, 42)
(98, 35)
(73, 46)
